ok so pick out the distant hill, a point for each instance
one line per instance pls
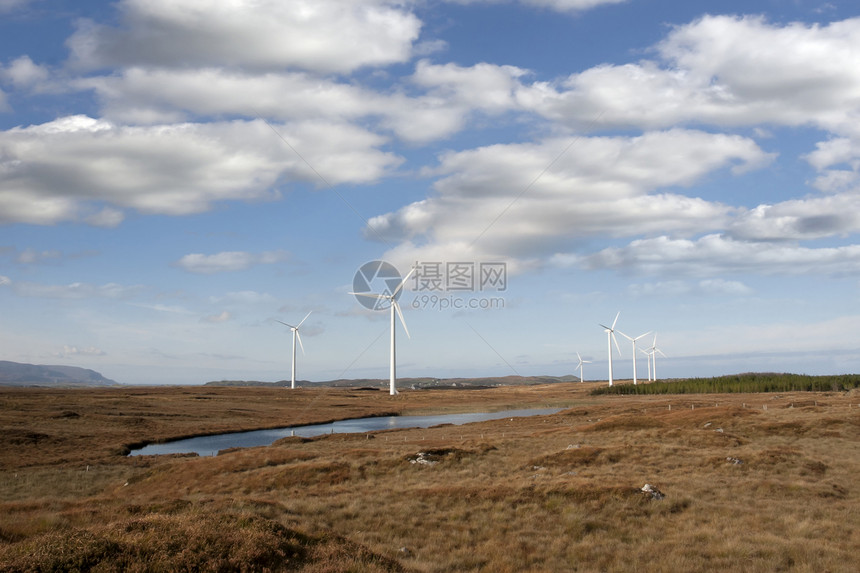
(17, 374)
(414, 383)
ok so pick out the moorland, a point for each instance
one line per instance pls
(738, 482)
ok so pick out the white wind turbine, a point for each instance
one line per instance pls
(610, 338)
(579, 366)
(296, 335)
(633, 341)
(392, 298)
(652, 352)
(647, 354)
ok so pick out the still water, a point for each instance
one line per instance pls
(210, 445)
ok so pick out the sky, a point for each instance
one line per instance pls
(178, 176)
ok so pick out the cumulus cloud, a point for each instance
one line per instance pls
(228, 261)
(24, 73)
(79, 168)
(528, 200)
(557, 5)
(719, 70)
(800, 219)
(320, 35)
(716, 255)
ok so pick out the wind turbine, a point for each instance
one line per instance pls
(296, 336)
(633, 340)
(579, 366)
(647, 354)
(392, 298)
(653, 353)
(610, 338)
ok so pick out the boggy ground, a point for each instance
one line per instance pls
(752, 482)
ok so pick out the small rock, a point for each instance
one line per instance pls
(652, 492)
(404, 551)
(720, 430)
(734, 461)
(572, 446)
(707, 424)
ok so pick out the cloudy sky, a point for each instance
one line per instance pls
(177, 176)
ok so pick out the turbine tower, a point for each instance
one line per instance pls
(579, 366)
(395, 307)
(610, 338)
(633, 340)
(296, 336)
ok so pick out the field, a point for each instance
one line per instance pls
(744, 482)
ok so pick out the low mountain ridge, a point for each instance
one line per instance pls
(19, 374)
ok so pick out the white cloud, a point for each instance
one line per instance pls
(24, 73)
(715, 255)
(32, 256)
(72, 351)
(228, 261)
(245, 297)
(557, 5)
(800, 219)
(322, 35)
(486, 87)
(9, 5)
(224, 316)
(533, 200)
(79, 168)
(720, 70)
(676, 288)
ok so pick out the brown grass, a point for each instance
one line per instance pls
(747, 488)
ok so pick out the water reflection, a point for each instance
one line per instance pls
(210, 445)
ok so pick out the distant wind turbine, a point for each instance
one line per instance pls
(395, 307)
(633, 340)
(610, 338)
(579, 366)
(647, 354)
(296, 336)
(653, 353)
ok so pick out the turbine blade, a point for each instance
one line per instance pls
(624, 335)
(615, 340)
(400, 314)
(641, 335)
(604, 326)
(616, 319)
(284, 323)
(304, 319)
(370, 294)
(299, 337)
(403, 282)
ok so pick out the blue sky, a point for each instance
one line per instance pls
(177, 176)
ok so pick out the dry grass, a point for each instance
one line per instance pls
(746, 488)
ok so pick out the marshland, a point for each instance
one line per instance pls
(739, 482)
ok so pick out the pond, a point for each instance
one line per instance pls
(210, 445)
